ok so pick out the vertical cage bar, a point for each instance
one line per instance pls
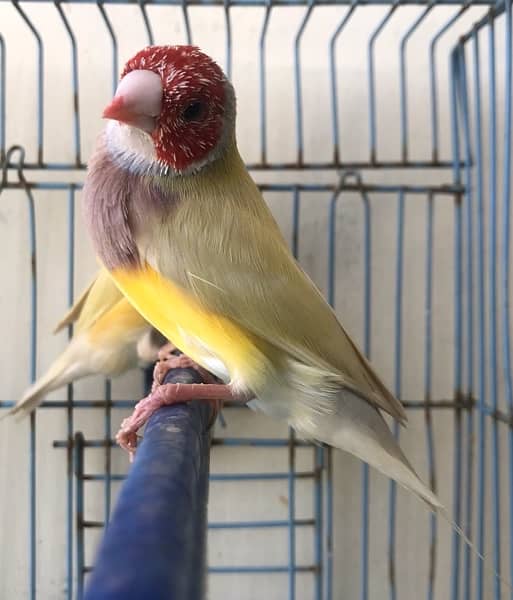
(458, 227)
(403, 81)
(329, 523)
(33, 358)
(465, 118)
(186, 22)
(506, 253)
(428, 356)
(114, 43)
(146, 21)
(372, 84)
(334, 81)
(492, 253)
(108, 451)
(433, 83)
(74, 67)
(263, 84)
(79, 516)
(297, 71)
(397, 384)
(69, 396)
(292, 513)
(319, 525)
(228, 29)
(367, 293)
(481, 461)
(40, 81)
(292, 437)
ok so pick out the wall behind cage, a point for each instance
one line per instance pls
(57, 144)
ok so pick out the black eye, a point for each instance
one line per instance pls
(194, 112)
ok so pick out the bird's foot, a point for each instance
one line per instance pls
(163, 394)
(171, 358)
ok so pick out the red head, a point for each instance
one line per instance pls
(181, 98)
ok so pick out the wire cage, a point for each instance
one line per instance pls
(380, 134)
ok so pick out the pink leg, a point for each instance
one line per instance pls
(166, 394)
(169, 361)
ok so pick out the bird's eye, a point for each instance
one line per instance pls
(194, 112)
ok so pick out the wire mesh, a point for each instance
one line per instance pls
(380, 134)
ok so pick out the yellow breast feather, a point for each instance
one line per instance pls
(200, 334)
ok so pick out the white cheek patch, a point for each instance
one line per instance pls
(131, 146)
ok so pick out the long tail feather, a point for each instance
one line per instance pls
(61, 372)
(359, 429)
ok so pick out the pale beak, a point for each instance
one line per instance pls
(138, 101)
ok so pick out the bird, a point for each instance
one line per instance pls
(110, 337)
(177, 220)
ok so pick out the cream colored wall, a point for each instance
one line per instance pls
(252, 500)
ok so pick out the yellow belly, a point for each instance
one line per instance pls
(204, 336)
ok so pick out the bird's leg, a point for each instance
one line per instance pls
(173, 393)
(171, 358)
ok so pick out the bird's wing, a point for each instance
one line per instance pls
(234, 263)
(101, 295)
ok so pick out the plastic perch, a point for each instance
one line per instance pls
(155, 544)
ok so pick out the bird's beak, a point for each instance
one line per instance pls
(137, 101)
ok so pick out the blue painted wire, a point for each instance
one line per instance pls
(292, 438)
(267, 569)
(114, 44)
(74, 79)
(329, 474)
(276, 524)
(506, 194)
(469, 247)
(33, 357)
(432, 80)
(286, 523)
(319, 521)
(187, 24)
(481, 462)
(283, 3)
(329, 523)
(79, 471)
(372, 83)
(448, 190)
(107, 489)
(40, 80)
(292, 516)
(263, 84)
(19, 163)
(228, 29)
(492, 254)
(367, 324)
(398, 322)
(455, 80)
(403, 80)
(297, 72)
(334, 82)
(147, 22)
(428, 356)
(69, 412)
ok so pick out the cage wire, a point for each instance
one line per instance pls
(380, 134)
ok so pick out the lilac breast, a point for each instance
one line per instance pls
(116, 204)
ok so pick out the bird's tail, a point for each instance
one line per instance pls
(358, 428)
(62, 371)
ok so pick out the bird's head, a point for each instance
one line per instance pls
(173, 111)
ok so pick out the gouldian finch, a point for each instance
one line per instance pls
(178, 221)
(110, 337)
